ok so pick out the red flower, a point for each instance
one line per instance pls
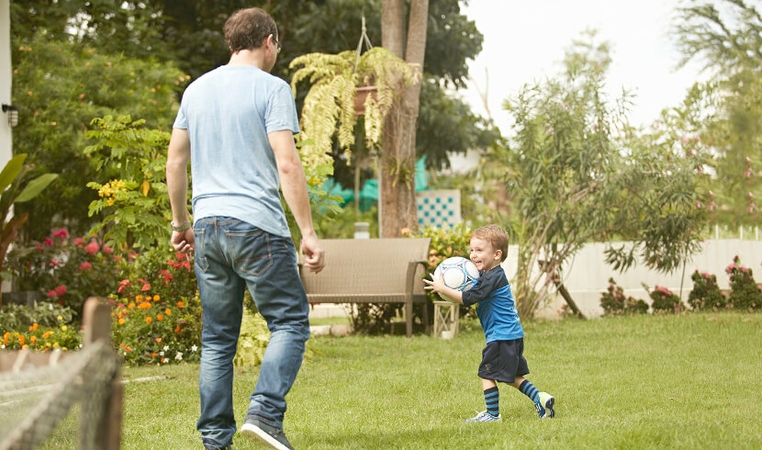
(85, 266)
(60, 290)
(52, 294)
(47, 242)
(146, 287)
(122, 285)
(167, 276)
(60, 233)
(92, 248)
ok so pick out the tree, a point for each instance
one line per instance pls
(60, 87)
(577, 172)
(727, 36)
(397, 193)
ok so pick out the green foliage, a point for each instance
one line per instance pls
(706, 294)
(253, 339)
(725, 36)
(665, 301)
(334, 80)
(67, 271)
(59, 87)
(45, 314)
(745, 293)
(614, 302)
(577, 172)
(135, 204)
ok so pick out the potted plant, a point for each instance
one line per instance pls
(344, 86)
(11, 179)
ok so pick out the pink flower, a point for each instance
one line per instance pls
(60, 233)
(85, 266)
(79, 242)
(60, 290)
(122, 285)
(47, 242)
(92, 248)
(146, 287)
(107, 249)
(52, 294)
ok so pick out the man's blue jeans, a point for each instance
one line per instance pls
(231, 255)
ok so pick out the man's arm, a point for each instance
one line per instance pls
(178, 156)
(293, 183)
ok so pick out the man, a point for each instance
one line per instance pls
(235, 127)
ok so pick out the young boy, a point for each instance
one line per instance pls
(502, 358)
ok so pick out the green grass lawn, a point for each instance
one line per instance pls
(690, 381)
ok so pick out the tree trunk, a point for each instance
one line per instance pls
(397, 209)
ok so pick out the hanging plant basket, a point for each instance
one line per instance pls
(344, 86)
(361, 96)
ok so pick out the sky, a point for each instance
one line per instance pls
(525, 41)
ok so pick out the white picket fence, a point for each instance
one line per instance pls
(586, 277)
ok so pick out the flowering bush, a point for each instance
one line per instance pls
(148, 329)
(745, 293)
(65, 270)
(614, 302)
(62, 336)
(706, 294)
(157, 313)
(665, 300)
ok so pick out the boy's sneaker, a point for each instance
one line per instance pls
(274, 437)
(484, 416)
(545, 406)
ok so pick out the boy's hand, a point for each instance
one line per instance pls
(435, 284)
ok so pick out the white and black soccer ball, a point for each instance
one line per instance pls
(457, 273)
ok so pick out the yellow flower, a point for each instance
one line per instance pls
(156, 298)
(121, 321)
(63, 327)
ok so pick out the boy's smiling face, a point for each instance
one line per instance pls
(483, 254)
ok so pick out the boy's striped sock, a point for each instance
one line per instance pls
(492, 399)
(528, 389)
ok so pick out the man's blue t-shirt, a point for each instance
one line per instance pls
(495, 306)
(228, 113)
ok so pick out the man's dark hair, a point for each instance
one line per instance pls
(248, 28)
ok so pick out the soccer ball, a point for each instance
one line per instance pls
(457, 273)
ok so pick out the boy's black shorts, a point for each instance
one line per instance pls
(503, 361)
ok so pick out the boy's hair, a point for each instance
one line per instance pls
(247, 29)
(496, 236)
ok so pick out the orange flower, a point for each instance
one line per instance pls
(158, 339)
(180, 304)
(33, 327)
(148, 319)
(156, 298)
(177, 329)
(168, 312)
(131, 305)
(144, 305)
(159, 317)
(46, 334)
(138, 298)
(121, 321)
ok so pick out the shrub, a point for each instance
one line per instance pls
(20, 317)
(745, 294)
(149, 329)
(706, 294)
(66, 271)
(664, 300)
(63, 335)
(614, 302)
(157, 313)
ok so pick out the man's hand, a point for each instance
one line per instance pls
(183, 241)
(314, 255)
